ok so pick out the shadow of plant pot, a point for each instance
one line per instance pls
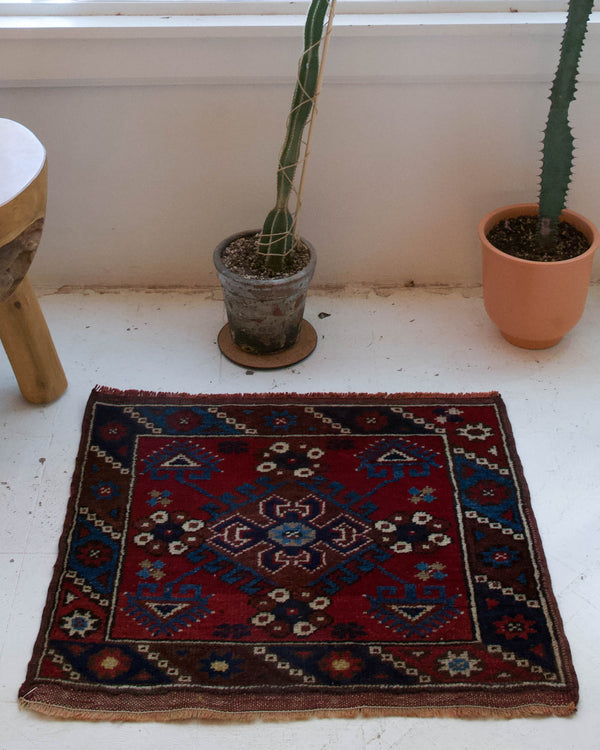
(264, 315)
(534, 303)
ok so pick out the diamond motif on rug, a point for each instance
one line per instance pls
(291, 537)
(279, 556)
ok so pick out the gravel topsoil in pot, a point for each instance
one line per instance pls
(518, 237)
(241, 257)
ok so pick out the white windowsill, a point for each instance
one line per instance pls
(361, 23)
(269, 7)
(119, 50)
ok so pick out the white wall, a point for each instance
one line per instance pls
(156, 155)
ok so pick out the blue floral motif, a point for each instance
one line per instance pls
(425, 494)
(459, 665)
(79, 623)
(281, 420)
(431, 570)
(152, 569)
(500, 557)
(293, 534)
(105, 490)
(159, 497)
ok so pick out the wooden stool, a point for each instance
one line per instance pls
(23, 329)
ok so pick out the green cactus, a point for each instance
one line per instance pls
(557, 153)
(276, 241)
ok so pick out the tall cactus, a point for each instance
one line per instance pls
(557, 158)
(276, 241)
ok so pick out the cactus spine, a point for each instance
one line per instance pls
(557, 153)
(276, 241)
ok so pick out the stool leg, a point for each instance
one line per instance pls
(29, 346)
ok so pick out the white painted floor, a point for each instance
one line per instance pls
(409, 340)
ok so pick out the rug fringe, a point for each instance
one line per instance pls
(245, 717)
(102, 390)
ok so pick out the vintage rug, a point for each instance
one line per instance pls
(286, 556)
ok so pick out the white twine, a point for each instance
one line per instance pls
(313, 113)
(305, 150)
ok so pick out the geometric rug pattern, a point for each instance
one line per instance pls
(284, 556)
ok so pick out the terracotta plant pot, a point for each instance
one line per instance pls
(264, 315)
(534, 303)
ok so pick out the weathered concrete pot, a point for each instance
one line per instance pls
(264, 315)
(533, 303)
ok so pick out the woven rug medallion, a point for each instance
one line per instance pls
(284, 556)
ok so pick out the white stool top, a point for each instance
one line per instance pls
(22, 157)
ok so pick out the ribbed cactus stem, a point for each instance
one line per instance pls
(557, 158)
(277, 237)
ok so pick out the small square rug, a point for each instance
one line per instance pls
(287, 556)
